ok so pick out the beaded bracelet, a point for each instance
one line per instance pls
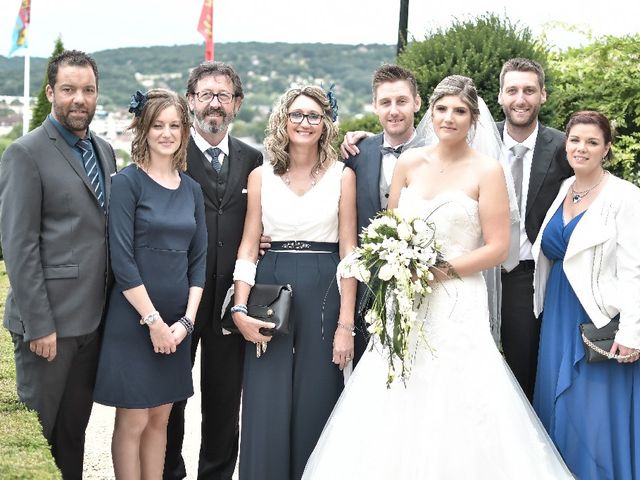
(187, 324)
(239, 308)
(350, 328)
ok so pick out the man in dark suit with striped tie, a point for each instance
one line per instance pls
(54, 194)
(221, 164)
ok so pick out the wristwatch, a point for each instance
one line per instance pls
(150, 318)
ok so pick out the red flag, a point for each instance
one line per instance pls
(205, 27)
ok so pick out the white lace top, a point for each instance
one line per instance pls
(312, 217)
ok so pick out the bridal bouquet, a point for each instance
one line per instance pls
(394, 260)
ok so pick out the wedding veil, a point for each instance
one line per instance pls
(485, 138)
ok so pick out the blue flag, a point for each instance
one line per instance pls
(20, 30)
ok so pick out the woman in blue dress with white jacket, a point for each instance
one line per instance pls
(588, 269)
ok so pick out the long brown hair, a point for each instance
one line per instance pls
(159, 99)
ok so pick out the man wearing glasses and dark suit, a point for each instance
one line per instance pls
(221, 164)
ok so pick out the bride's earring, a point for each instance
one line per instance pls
(471, 134)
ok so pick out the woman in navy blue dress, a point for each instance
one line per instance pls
(588, 269)
(157, 240)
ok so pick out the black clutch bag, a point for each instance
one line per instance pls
(269, 303)
(598, 341)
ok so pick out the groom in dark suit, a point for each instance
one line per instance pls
(221, 164)
(538, 165)
(395, 101)
(54, 195)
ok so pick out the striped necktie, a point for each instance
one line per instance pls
(215, 153)
(91, 167)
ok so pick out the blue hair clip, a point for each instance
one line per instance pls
(138, 100)
(333, 102)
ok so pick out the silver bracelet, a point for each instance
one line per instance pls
(241, 307)
(350, 328)
(150, 318)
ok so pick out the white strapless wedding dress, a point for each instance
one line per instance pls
(461, 414)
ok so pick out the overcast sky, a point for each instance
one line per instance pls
(94, 25)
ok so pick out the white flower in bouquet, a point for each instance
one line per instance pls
(398, 253)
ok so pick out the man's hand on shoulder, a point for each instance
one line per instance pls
(348, 146)
(45, 347)
(265, 244)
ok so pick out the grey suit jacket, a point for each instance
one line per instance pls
(53, 236)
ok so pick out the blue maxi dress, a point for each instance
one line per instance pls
(591, 411)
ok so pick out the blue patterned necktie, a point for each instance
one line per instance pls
(393, 151)
(215, 153)
(91, 167)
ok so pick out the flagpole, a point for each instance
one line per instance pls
(213, 45)
(26, 106)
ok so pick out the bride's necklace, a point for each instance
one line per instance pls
(576, 196)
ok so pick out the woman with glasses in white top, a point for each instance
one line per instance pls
(304, 200)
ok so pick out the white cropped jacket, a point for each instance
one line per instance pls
(602, 262)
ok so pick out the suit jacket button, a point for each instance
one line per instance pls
(220, 212)
(220, 243)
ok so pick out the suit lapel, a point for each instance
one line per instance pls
(197, 168)
(235, 168)
(63, 147)
(542, 157)
(373, 165)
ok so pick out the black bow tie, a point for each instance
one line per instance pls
(393, 151)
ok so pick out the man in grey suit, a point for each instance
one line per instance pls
(395, 101)
(54, 194)
(221, 164)
(538, 165)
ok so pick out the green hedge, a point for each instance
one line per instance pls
(25, 453)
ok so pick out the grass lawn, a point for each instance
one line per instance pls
(24, 453)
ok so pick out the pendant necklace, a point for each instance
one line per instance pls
(312, 178)
(576, 196)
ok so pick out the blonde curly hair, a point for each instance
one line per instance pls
(157, 100)
(276, 142)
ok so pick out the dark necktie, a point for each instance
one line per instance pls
(393, 151)
(91, 167)
(519, 152)
(215, 153)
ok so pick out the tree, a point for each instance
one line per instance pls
(603, 76)
(475, 48)
(43, 106)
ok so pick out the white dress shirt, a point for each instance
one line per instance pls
(203, 145)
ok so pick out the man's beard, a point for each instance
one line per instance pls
(211, 126)
(73, 124)
(513, 120)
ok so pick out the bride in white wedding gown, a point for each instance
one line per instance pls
(461, 414)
